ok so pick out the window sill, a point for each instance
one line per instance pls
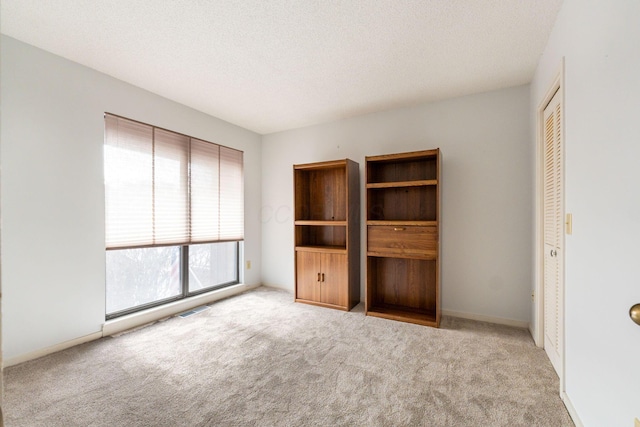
(134, 320)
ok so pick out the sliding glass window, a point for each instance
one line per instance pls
(174, 215)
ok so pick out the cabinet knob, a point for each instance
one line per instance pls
(318, 278)
(398, 228)
(553, 252)
(322, 277)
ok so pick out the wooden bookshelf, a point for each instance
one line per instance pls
(327, 233)
(403, 237)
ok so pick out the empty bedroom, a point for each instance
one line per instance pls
(309, 213)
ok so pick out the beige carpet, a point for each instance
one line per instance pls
(260, 359)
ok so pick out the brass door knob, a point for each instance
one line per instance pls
(634, 313)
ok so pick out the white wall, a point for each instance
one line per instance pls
(487, 196)
(52, 193)
(599, 41)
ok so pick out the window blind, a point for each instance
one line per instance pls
(165, 188)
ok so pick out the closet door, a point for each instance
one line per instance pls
(553, 229)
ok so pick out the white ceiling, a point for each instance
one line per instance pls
(280, 64)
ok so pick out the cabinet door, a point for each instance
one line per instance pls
(308, 276)
(334, 288)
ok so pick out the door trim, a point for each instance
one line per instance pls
(557, 85)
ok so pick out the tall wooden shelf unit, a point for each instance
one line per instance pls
(403, 235)
(327, 233)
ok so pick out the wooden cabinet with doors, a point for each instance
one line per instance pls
(403, 237)
(327, 233)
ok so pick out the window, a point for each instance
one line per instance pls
(174, 215)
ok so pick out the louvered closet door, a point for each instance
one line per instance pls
(553, 228)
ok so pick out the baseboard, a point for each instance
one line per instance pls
(489, 319)
(53, 349)
(151, 315)
(533, 335)
(571, 409)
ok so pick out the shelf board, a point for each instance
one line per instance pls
(320, 222)
(405, 314)
(394, 223)
(381, 254)
(322, 165)
(414, 155)
(398, 184)
(323, 249)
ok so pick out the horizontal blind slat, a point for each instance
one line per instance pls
(128, 183)
(231, 194)
(163, 187)
(171, 209)
(205, 183)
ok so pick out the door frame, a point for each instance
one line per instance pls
(557, 85)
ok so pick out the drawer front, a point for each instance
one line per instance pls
(403, 240)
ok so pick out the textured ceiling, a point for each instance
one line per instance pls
(275, 65)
